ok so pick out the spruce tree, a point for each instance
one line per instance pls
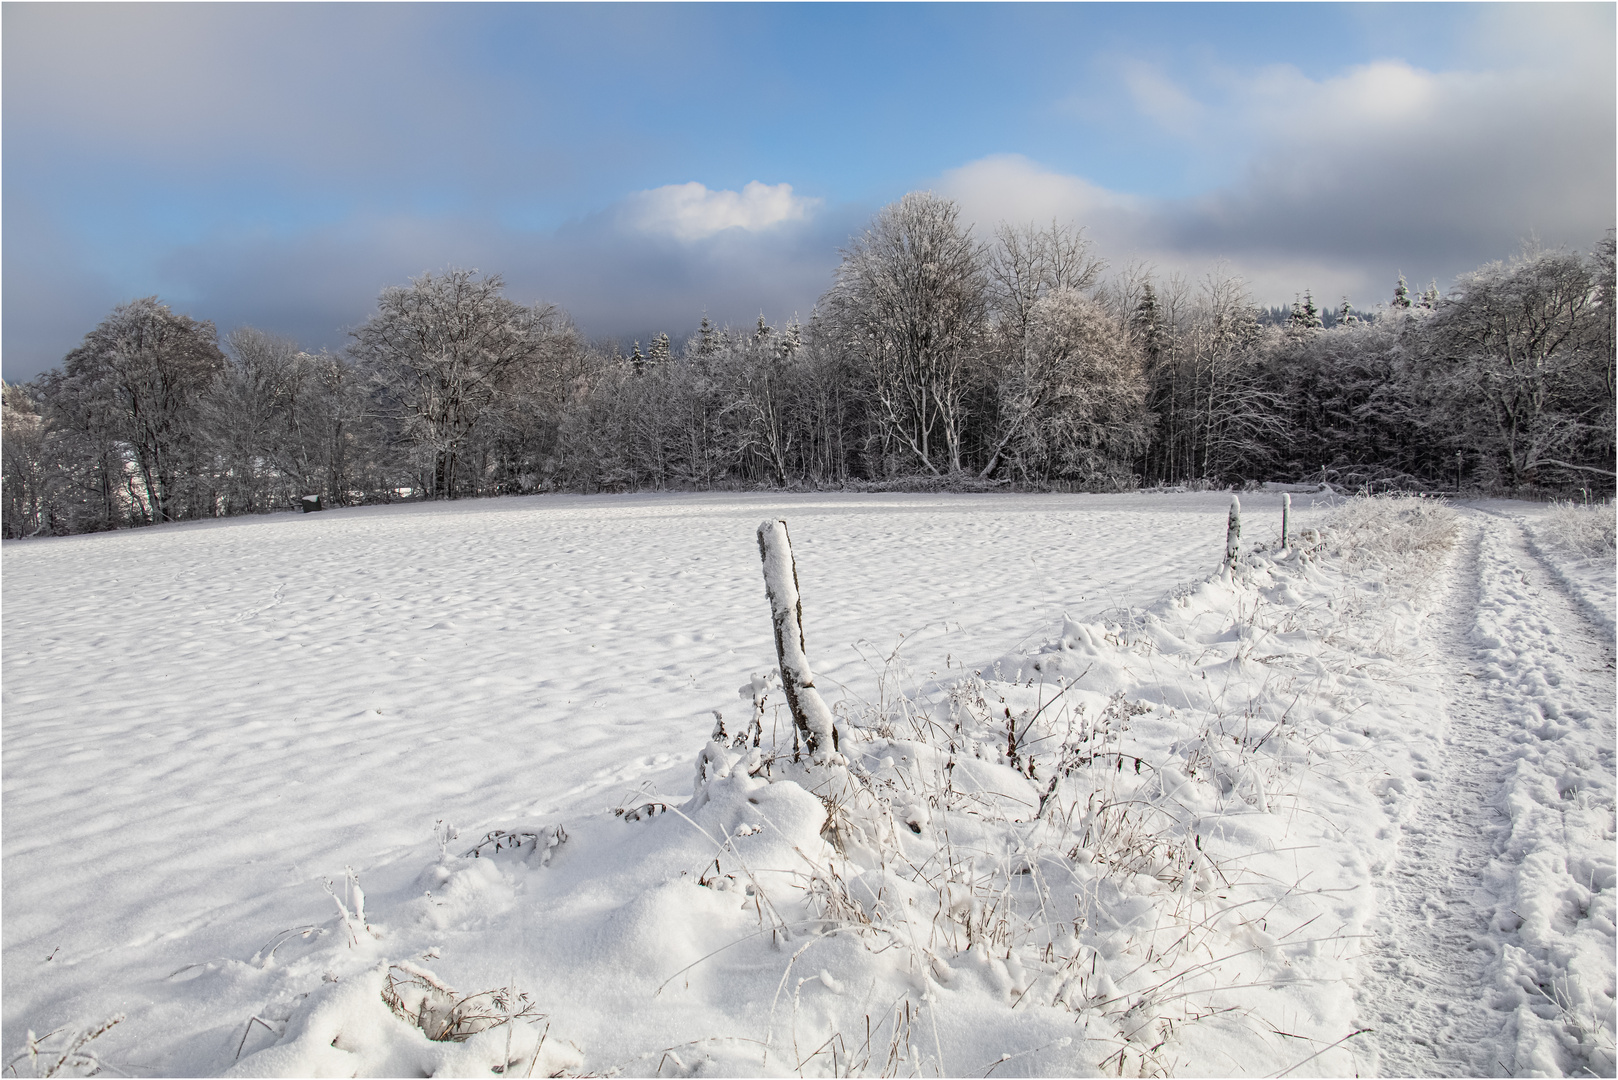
(659, 350)
(791, 338)
(1311, 314)
(1296, 320)
(1401, 294)
(1145, 324)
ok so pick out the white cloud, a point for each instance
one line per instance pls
(1011, 188)
(692, 212)
(1157, 96)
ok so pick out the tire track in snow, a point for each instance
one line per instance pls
(1457, 985)
(1423, 990)
(1552, 666)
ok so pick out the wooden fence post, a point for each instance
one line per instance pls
(1233, 534)
(1286, 521)
(810, 716)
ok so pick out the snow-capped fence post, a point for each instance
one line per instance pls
(1233, 533)
(810, 716)
(1286, 521)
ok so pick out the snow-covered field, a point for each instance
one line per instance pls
(1365, 783)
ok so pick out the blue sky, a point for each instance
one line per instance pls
(277, 165)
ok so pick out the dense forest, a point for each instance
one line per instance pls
(935, 359)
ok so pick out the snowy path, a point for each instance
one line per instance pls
(1428, 911)
(1529, 681)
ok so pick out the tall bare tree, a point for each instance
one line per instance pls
(910, 303)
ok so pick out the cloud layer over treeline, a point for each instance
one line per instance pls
(641, 167)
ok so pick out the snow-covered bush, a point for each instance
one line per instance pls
(1589, 530)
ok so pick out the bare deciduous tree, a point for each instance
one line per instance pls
(139, 378)
(440, 351)
(910, 302)
(1524, 339)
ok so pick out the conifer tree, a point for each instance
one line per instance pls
(1311, 314)
(707, 338)
(1145, 323)
(1401, 295)
(1296, 320)
(659, 351)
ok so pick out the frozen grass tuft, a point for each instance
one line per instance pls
(418, 997)
(1372, 528)
(65, 1052)
(1587, 530)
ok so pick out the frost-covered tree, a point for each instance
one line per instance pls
(659, 352)
(25, 464)
(1401, 295)
(706, 340)
(1305, 315)
(1027, 263)
(440, 352)
(1146, 324)
(910, 304)
(1311, 314)
(282, 423)
(1236, 422)
(1522, 345)
(1072, 405)
(135, 387)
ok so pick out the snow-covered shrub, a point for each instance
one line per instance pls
(1590, 530)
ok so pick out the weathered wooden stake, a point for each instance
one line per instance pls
(1233, 533)
(810, 716)
(1286, 521)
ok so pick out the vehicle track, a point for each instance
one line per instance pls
(1431, 985)
(1423, 990)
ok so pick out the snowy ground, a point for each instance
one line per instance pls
(205, 724)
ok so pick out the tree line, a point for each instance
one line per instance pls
(934, 359)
